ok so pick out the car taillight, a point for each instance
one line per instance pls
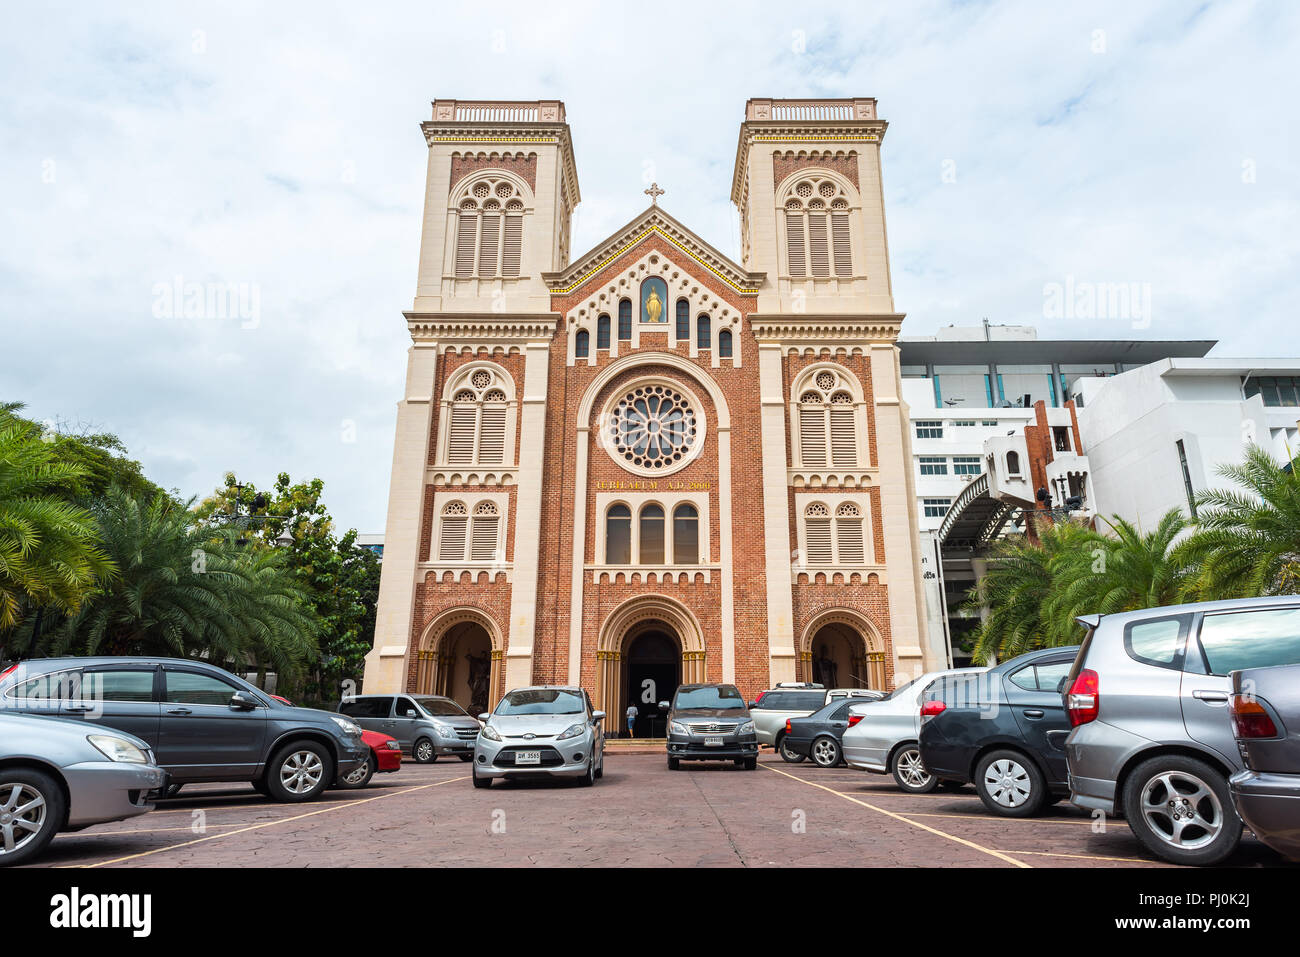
(932, 708)
(4, 674)
(787, 725)
(1083, 700)
(1249, 719)
(854, 719)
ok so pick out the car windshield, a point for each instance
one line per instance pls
(542, 701)
(724, 697)
(441, 707)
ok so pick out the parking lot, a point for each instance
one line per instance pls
(640, 814)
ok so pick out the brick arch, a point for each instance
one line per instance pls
(873, 653)
(431, 667)
(628, 620)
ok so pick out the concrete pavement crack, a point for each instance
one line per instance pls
(725, 830)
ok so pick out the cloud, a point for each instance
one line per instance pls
(276, 151)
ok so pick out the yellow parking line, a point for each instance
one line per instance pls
(898, 817)
(1084, 822)
(256, 827)
(142, 830)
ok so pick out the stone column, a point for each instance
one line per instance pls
(386, 663)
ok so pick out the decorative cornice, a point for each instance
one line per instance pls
(653, 221)
(480, 327)
(811, 330)
(795, 131)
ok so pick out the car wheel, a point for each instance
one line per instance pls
(424, 752)
(794, 757)
(466, 757)
(751, 764)
(300, 771)
(478, 781)
(673, 764)
(825, 752)
(588, 779)
(32, 808)
(360, 777)
(1010, 784)
(909, 773)
(600, 769)
(1180, 809)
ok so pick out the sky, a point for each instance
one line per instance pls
(275, 151)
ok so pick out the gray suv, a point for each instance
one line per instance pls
(1153, 739)
(425, 726)
(201, 722)
(710, 723)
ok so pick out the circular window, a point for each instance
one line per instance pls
(654, 429)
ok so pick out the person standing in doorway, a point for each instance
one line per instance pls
(631, 720)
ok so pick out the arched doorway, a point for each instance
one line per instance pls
(653, 670)
(840, 650)
(459, 658)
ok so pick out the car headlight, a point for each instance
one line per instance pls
(392, 745)
(746, 728)
(490, 733)
(348, 727)
(676, 727)
(444, 731)
(118, 749)
(572, 731)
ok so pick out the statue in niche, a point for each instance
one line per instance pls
(480, 667)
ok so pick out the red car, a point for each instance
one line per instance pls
(385, 756)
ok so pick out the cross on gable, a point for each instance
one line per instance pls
(654, 192)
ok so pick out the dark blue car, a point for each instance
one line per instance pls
(818, 735)
(1003, 731)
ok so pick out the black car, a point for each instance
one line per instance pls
(201, 722)
(1265, 712)
(709, 722)
(1002, 730)
(818, 735)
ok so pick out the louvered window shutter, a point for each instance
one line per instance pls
(483, 547)
(492, 435)
(451, 544)
(460, 437)
(850, 535)
(840, 238)
(487, 256)
(794, 243)
(819, 541)
(513, 248)
(812, 436)
(465, 245)
(844, 437)
(818, 253)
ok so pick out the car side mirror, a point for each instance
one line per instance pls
(408, 713)
(663, 705)
(484, 716)
(598, 716)
(242, 702)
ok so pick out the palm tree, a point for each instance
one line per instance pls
(49, 553)
(1248, 542)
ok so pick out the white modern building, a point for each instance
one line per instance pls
(1156, 436)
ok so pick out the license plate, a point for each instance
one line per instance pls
(528, 757)
(713, 742)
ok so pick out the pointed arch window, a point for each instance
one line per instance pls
(489, 230)
(828, 422)
(602, 332)
(582, 344)
(476, 421)
(724, 344)
(703, 332)
(618, 535)
(625, 320)
(686, 535)
(683, 320)
(817, 229)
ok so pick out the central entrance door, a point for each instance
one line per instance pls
(654, 670)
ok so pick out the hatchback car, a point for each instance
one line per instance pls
(1266, 720)
(1153, 738)
(709, 722)
(543, 731)
(60, 775)
(884, 741)
(425, 726)
(201, 722)
(1003, 730)
(818, 735)
(772, 708)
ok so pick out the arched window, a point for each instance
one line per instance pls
(683, 320)
(848, 535)
(582, 344)
(652, 535)
(817, 519)
(618, 535)
(817, 229)
(452, 532)
(602, 332)
(489, 230)
(703, 333)
(476, 431)
(686, 535)
(827, 415)
(625, 320)
(483, 533)
(724, 344)
(1013, 463)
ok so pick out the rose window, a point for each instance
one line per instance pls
(654, 429)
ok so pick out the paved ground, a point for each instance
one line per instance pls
(640, 814)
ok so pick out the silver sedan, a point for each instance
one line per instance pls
(60, 775)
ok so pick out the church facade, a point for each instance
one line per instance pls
(647, 464)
